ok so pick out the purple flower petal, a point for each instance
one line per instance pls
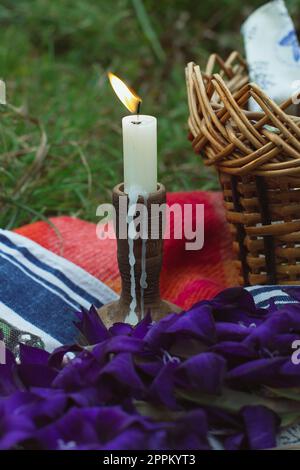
(234, 442)
(36, 375)
(142, 328)
(120, 329)
(270, 334)
(83, 428)
(150, 366)
(81, 372)
(220, 419)
(237, 305)
(195, 323)
(156, 337)
(188, 432)
(281, 344)
(56, 358)
(261, 427)
(258, 372)
(8, 382)
(76, 427)
(40, 408)
(31, 355)
(134, 438)
(118, 344)
(293, 292)
(290, 374)
(162, 388)
(204, 372)
(198, 322)
(14, 427)
(91, 326)
(234, 353)
(122, 371)
(231, 331)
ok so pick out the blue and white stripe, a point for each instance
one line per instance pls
(263, 295)
(40, 291)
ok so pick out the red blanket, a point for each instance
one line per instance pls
(187, 276)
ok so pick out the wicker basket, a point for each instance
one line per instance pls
(257, 155)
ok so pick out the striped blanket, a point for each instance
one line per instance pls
(40, 290)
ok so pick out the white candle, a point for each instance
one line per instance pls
(140, 175)
(140, 153)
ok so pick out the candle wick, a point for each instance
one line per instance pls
(137, 114)
(138, 111)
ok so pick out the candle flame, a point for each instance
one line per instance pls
(125, 94)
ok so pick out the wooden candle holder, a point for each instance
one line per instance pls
(118, 311)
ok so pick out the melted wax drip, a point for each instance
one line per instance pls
(132, 318)
(143, 279)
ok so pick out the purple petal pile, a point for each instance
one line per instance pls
(217, 376)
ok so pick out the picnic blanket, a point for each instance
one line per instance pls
(40, 290)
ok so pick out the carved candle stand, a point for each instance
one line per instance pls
(118, 311)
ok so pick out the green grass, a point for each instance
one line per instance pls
(61, 132)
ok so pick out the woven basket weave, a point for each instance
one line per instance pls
(257, 155)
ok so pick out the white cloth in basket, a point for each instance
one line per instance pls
(272, 52)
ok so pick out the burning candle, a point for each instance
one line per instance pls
(139, 142)
(140, 175)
